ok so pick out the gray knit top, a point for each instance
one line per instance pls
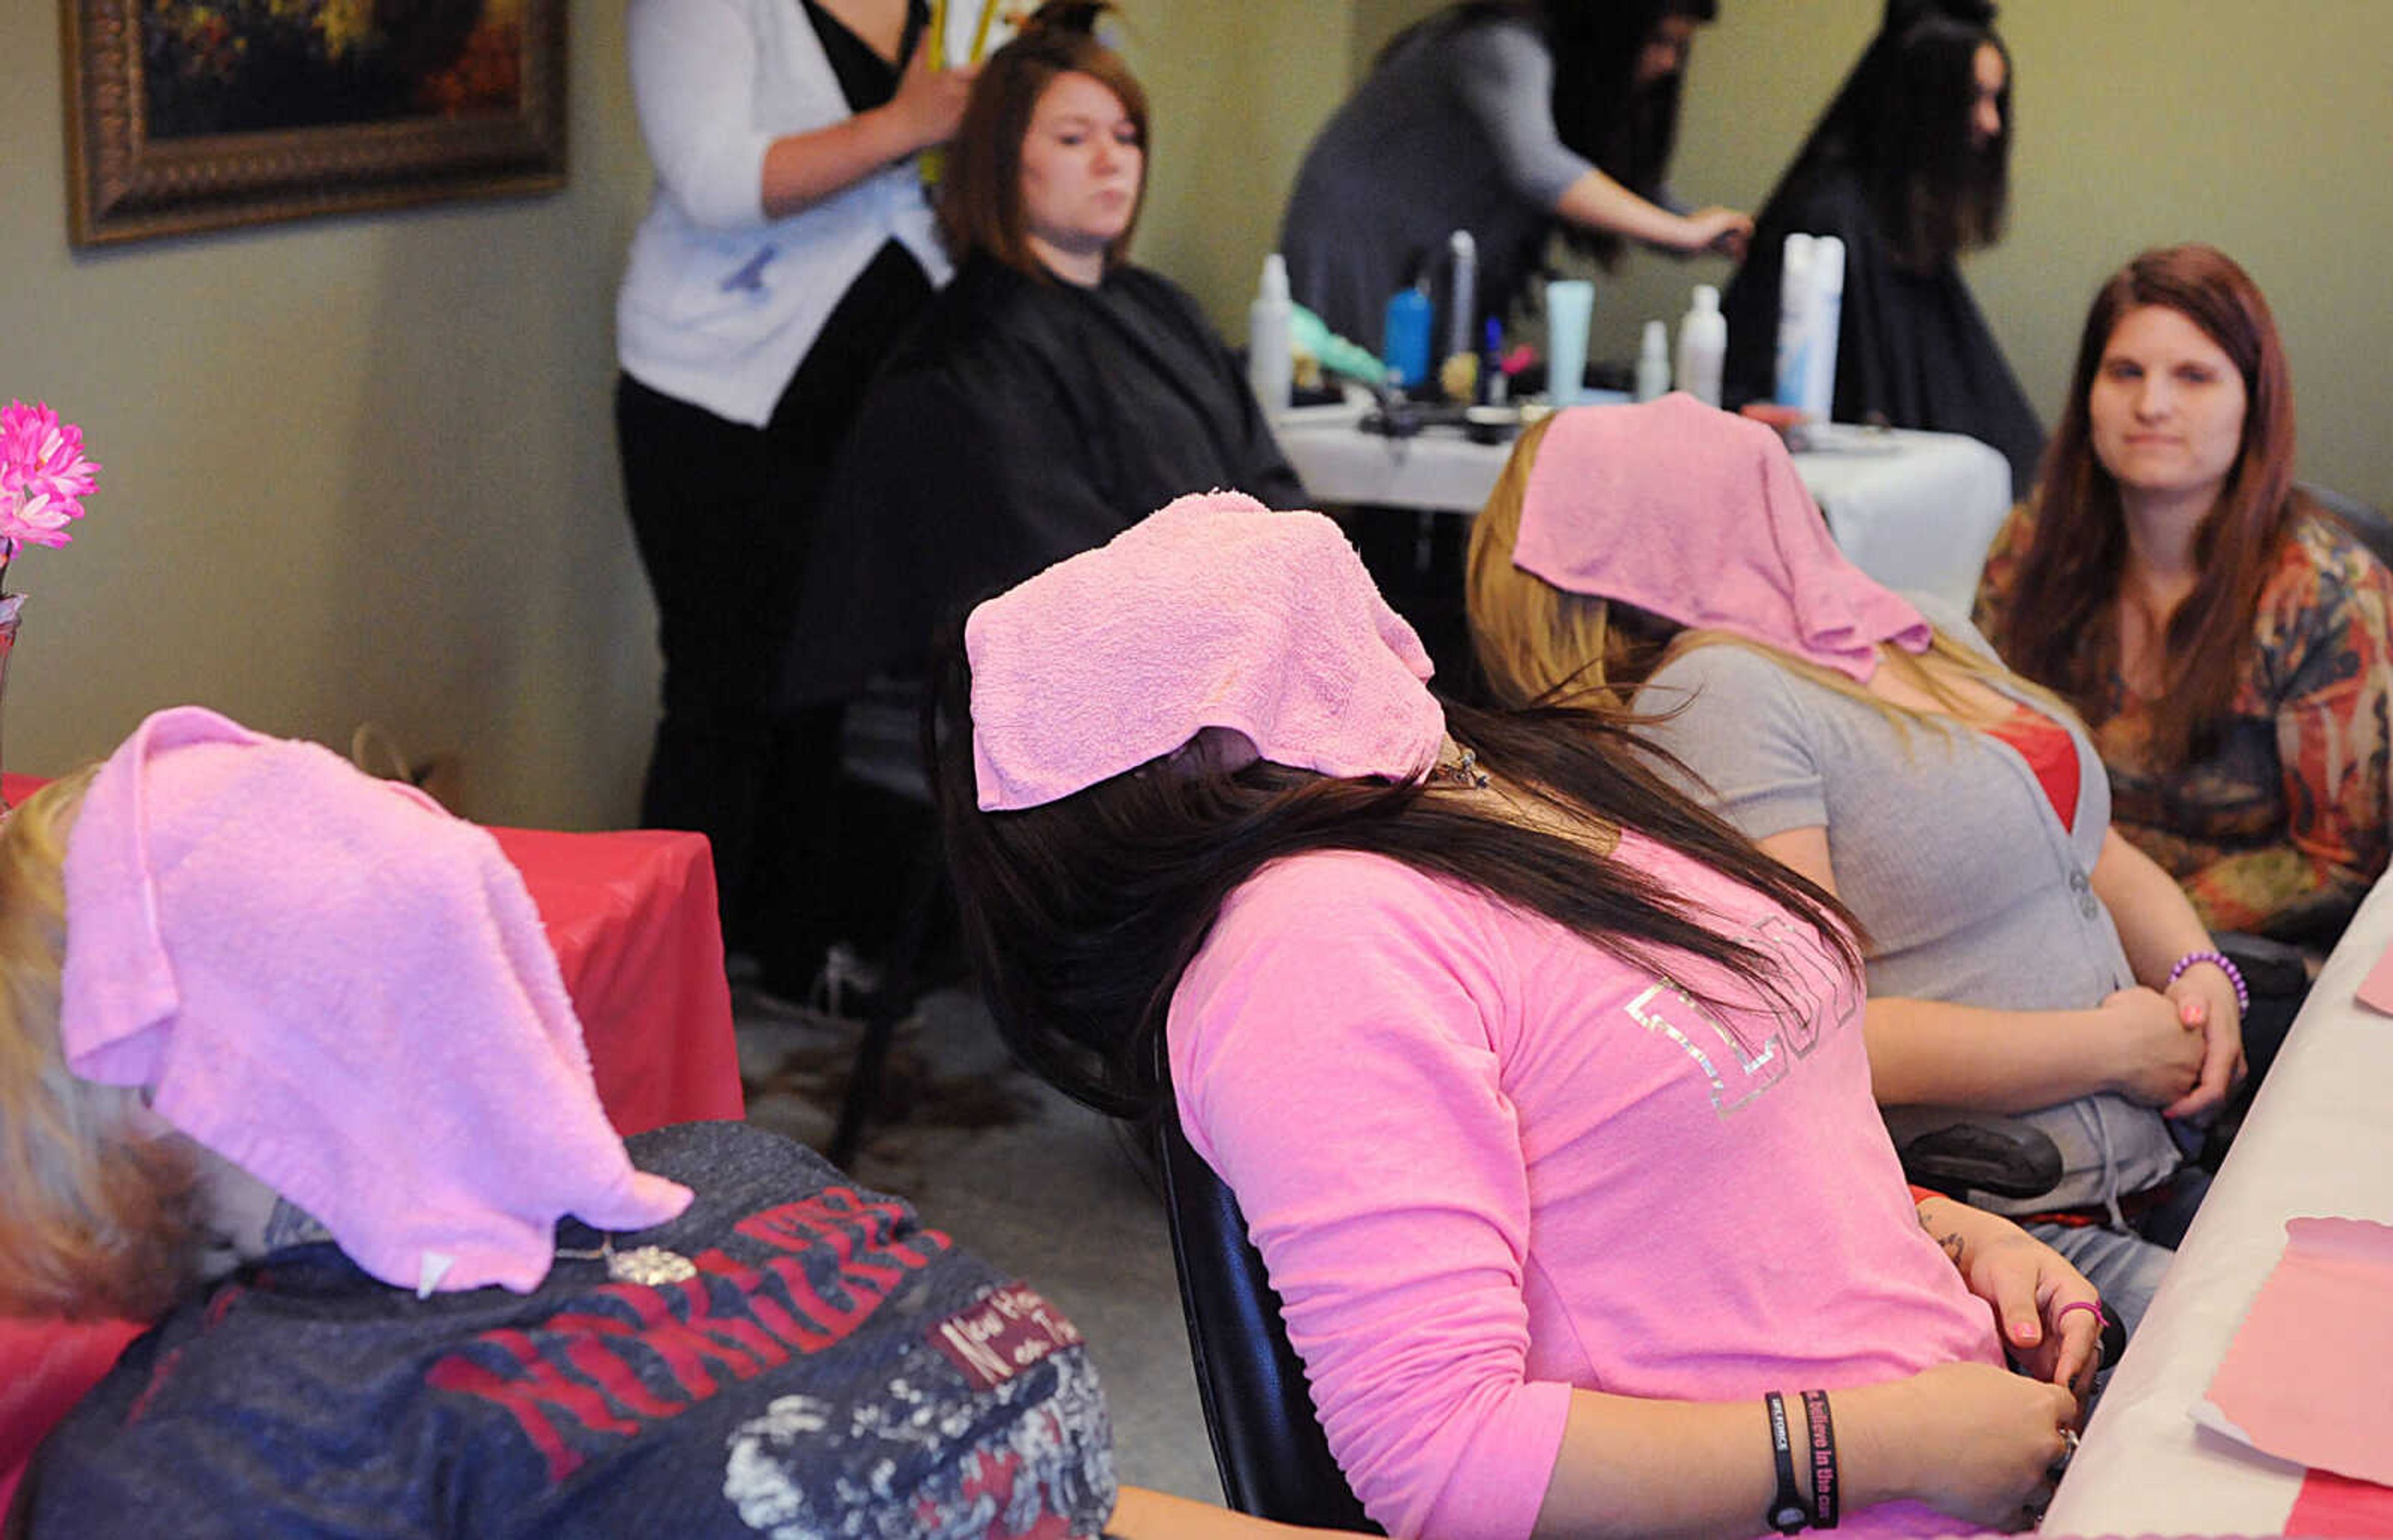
(1946, 848)
(1453, 129)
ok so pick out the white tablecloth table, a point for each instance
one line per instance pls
(2318, 1140)
(1913, 510)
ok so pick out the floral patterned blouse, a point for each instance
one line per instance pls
(2282, 826)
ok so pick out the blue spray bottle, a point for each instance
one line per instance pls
(1404, 345)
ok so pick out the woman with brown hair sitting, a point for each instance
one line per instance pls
(1055, 388)
(2228, 642)
(1910, 168)
(2227, 639)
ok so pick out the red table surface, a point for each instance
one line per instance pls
(2341, 1506)
(632, 916)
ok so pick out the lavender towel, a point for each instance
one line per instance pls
(1214, 612)
(328, 981)
(1698, 515)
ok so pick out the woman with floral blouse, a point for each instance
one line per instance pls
(2226, 639)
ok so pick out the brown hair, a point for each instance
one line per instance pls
(98, 1215)
(2060, 625)
(980, 200)
(1538, 644)
(1081, 915)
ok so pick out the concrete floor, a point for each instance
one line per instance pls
(1036, 1184)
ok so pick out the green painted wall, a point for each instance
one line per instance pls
(2257, 125)
(364, 467)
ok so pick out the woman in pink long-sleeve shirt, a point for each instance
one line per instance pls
(1543, 1094)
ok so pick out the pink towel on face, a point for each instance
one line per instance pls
(335, 985)
(1214, 612)
(1697, 514)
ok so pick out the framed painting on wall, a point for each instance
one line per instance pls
(188, 115)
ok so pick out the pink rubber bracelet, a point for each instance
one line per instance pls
(2099, 1319)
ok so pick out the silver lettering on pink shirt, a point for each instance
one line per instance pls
(1815, 992)
(1663, 1007)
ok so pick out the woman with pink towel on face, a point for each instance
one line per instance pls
(286, 1060)
(1542, 1094)
(2023, 958)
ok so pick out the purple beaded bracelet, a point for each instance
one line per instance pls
(2243, 996)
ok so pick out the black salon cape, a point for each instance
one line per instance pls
(1913, 351)
(1024, 421)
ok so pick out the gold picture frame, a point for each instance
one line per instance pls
(188, 115)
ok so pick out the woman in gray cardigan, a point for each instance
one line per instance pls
(2022, 957)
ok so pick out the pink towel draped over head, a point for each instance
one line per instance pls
(1214, 612)
(1698, 515)
(331, 982)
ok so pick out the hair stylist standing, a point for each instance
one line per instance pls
(1505, 118)
(786, 246)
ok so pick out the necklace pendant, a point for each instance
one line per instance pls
(652, 1265)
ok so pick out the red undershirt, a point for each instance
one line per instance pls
(2046, 745)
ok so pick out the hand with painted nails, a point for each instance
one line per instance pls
(2205, 1002)
(2049, 1317)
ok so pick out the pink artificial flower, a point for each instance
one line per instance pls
(43, 477)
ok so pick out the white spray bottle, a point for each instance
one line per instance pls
(1827, 316)
(1703, 345)
(1271, 357)
(1653, 363)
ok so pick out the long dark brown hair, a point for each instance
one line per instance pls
(1600, 112)
(1082, 914)
(1901, 123)
(980, 199)
(2060, 625)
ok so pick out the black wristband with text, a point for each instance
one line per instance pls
(1789, 1514)
(1823, 1458)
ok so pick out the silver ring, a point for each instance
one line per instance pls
(2068, 1450)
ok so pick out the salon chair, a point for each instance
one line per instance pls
(2367, 523)
(1267, 1443)
(1958, 1151)
(882, 746)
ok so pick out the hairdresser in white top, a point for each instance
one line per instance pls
(787, 246)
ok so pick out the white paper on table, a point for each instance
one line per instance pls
(2309, 1375)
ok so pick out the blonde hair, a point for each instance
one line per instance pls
(1542, 645)
(1537, 644)
(100, 1215)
